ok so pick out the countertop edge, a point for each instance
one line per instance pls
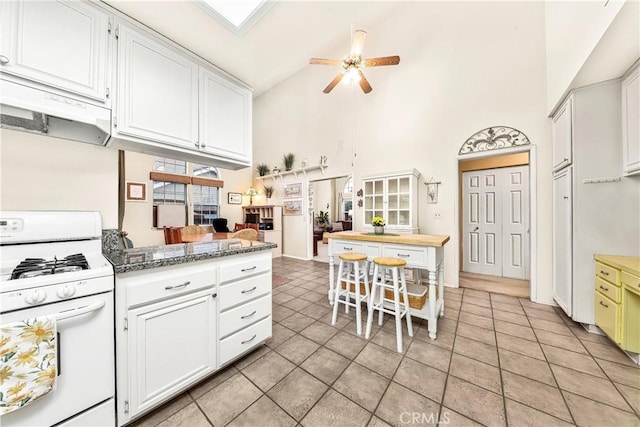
(433, 240)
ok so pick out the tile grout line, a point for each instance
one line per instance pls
(504, 397)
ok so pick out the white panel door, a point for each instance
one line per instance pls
(515, 222)
(62, 44)
(482, 228)
(562, 235)
(225, 117)
(495, 226)
(157, 91)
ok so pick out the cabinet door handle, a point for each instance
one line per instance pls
(203, 145)
(404, 255)
(4, 59)
(184, 285)
(604, 272)
(604, 305)
(604, 289)
(249, 315)
(247, 291)
(244, 270)
(251, 339)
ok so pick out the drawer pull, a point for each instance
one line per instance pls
(348, 249)
(604, 272)
(248, 291)
(251, 339)
(249, 315)
(604, 289)
(404, 255)
(244, 270)
(604, 305)
(176, 287)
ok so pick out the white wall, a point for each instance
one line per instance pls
(43, 173)
(573, 29)
(138, 216)
(464, 67)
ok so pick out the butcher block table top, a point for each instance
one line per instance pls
(401, 239)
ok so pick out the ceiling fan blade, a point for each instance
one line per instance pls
(333, 83)
(385, 60)
(364, 83)
(358, 42)
(321, 61)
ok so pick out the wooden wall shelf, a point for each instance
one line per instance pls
(294, 172)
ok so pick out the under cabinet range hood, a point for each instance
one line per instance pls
(33, 110)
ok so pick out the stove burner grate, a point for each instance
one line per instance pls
(32, 267)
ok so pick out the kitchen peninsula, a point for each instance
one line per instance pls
(183, 312)
(421, 251)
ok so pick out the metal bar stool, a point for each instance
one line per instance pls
(353, 275)
(388, 274)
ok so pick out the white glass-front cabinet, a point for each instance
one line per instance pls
(225, 117)
(394, 197)
(157, 91)
(62, 44)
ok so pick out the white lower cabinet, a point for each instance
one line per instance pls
(177, 324)
(171, 343)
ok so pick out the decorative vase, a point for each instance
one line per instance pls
(378, 229)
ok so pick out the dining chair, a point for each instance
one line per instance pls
(193, 229)
(172, 235)
(239, 226)
(246, 234)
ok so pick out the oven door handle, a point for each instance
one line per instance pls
(78, 311)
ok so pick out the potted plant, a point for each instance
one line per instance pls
(378, 224)
(263, 169)
(268, 192)
(288, 160)
(322, 219)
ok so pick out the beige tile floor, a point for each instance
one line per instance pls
(498, 360)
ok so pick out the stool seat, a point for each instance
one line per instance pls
(390, 262)
(353, 257)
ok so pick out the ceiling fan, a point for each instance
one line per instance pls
(352, 64)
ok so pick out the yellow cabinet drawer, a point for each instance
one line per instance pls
(608, 273)
(631, 282)
(606, 288)
(608, 316)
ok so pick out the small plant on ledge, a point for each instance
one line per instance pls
(262, 169)
(288, 160)
(268, 191)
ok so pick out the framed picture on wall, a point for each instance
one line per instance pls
(234, 198)
(292, 207)
(136, 191)
(292, 191)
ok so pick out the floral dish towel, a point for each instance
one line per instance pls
(28, 367)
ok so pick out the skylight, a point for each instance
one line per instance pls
(237, 15)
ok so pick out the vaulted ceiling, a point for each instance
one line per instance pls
(277, 46)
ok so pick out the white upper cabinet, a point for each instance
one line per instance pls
(562, 135)
(225, 117)
(62, 44)
(631, 121)
(157, 96)
(394, 197)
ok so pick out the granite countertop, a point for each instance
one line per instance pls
(127, 260)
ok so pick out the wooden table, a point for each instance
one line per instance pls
(421, 251)
(206, 237)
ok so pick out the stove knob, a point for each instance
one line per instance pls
(66, 291)
(36, 296)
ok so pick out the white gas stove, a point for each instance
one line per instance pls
(51, 264)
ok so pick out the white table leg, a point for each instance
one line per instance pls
(441, 288)
(433, 316)
(331, 284)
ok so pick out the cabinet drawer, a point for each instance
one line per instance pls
(244, 267)
(608, 273)
(630, 282)
(608, 316)
(244, 340)
(412, 256)
(606, 288)
(171, 285)
(245, 290)
(244, 315)
(345, 247)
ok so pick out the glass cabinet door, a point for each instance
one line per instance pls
(373, 199)
(393, 198)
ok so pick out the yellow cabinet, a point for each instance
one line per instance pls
(617, 299)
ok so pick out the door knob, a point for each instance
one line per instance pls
(476, 229)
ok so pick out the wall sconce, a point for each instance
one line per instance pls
(251, 192)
